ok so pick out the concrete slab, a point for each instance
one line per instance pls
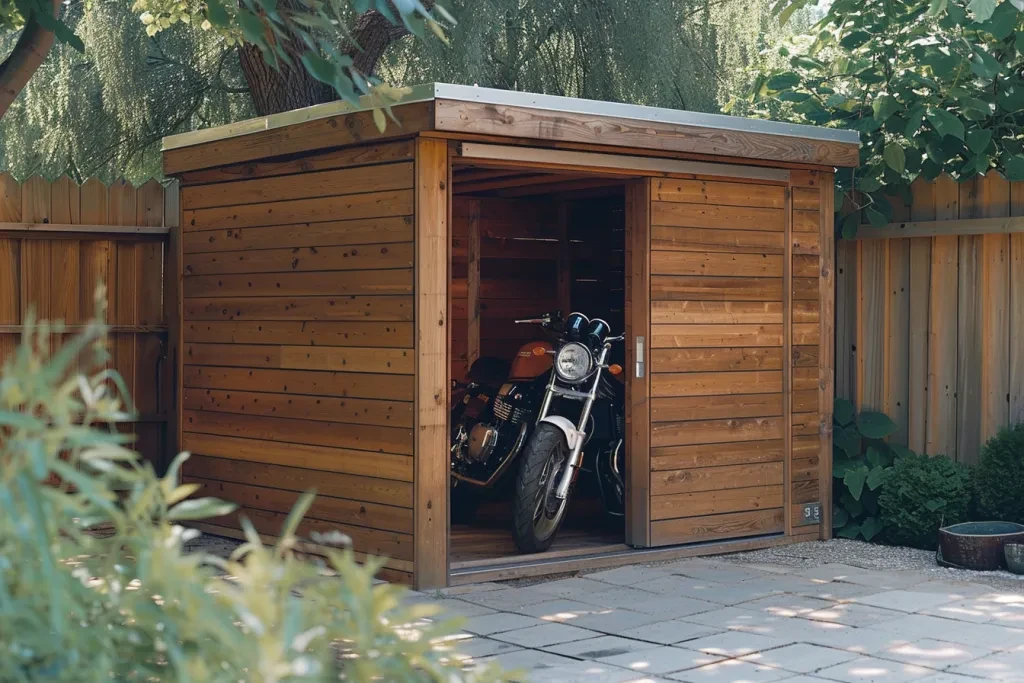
(802, 658)
(595, 648)
(872, 670)
(496, 622)
(730, 671)
(670, 632)
(854, 614)
(544, 635)
(661, 660)
(736, 643)
(934, 654)
(906, 601)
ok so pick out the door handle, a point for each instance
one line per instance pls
(639, 357)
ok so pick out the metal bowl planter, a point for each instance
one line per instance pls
(977, 545)
(1014, 557)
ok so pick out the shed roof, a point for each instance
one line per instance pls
(489, 111)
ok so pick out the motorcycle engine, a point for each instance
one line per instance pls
(482, 439)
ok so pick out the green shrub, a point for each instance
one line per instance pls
(861, 458)
(132, 604)
(921, 493)
(999, 477)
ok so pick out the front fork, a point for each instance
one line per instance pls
(588, 398)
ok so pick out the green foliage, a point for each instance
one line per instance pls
(920, 494)
(999, 476)
(932, 87)
(131, 604)
(861, 460)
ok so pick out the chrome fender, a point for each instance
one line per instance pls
(572, 436)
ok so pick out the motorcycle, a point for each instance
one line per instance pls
(581, 418)
(498, 410)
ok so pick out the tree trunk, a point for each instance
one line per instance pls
(276, 91)
(29, 52)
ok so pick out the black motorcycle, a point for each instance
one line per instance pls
(581, 420)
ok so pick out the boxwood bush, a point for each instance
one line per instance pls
(921, 493)
(999, 477)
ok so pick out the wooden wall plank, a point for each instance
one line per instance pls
(826, 353)
(433, 247)
(969, 316)
(873, 259)
(847, 291)
(1016, 332)
(896, 373)
(355, 206)
(922, 208)
(994, 201)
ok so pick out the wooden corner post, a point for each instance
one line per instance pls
(430, 467)
(826, 349)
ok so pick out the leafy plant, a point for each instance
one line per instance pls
(932, 86)
(999, 476)
(921, 493)
(131, 604)
(861, 458)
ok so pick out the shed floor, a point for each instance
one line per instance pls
(482, 546)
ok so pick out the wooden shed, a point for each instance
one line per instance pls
(335, 278)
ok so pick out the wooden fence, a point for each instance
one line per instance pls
(58, 240)
(930, 315)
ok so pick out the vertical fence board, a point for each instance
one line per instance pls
(942, 327)
(969, 302)
(1016, 332)
(897, 352)
(94, 255)
(64, 254)
(922, 209)
(872, 323)
(994, 202)
(10, 263)
(846, 319)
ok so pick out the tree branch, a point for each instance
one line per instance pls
(29, 53)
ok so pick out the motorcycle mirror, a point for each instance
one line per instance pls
(615, 369)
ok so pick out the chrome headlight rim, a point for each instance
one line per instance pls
(581, 370)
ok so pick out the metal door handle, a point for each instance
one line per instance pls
(639, 357)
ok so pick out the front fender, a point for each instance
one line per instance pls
(567, 427)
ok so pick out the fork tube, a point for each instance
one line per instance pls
(549, 394)
(577, 453)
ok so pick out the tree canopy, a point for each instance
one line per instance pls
(103, 112)
(932, 86)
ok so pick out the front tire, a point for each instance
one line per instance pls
(537, 512)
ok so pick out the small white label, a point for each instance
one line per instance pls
(812, 513)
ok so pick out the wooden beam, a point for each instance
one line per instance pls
(521, 180)
(433, 247)
(826, 349)
(959, 226)
(638, 378)
(305, 136)
(513, 121)
(98, 230)
(111, 329)
(172, 369)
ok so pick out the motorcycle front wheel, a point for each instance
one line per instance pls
(537, 511)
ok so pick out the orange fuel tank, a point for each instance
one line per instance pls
(533, 360)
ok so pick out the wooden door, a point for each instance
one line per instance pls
(710, 393)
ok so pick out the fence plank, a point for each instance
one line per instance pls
(994, 305)
(923, 208)
(65, 207)
(872, 322)
(846, 318)
(942, 328)
(897, 351)
(10, 263)
(969, 362)
(1016, 276)
(35, 256)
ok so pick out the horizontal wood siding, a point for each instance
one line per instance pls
(718, 337)
(298, 342)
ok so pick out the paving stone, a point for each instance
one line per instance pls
(991, 636)
(886, 580)
(561, 610)
(943, 678)
(905, 601)
(629, 575)
(723, 594)
(666, 606)
(544, 635)
(670, 632)
(971, 610)
(1002, 666)
(829, 572)
(530, 663)
(464, 647)
(854, 614)
(595, 648)
(571, 587)
(731, 671)
(507, 599)
(862, 641)
(736, 643)
(934, 654)
(872, 670)
(471, 588)
(614, 621)
(960, 589)
(836, 591)
(802, 658)
(591, 672)
(619, 596)
(716, 572)
(661, 660)
(453, 607)
(486, 624)
(737, 618)
(786, 605)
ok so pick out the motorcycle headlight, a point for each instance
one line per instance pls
(573, 362)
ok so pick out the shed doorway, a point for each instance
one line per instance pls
(526, 242)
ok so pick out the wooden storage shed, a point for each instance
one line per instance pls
(335, 278)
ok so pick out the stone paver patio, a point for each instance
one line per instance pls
(738, 620)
